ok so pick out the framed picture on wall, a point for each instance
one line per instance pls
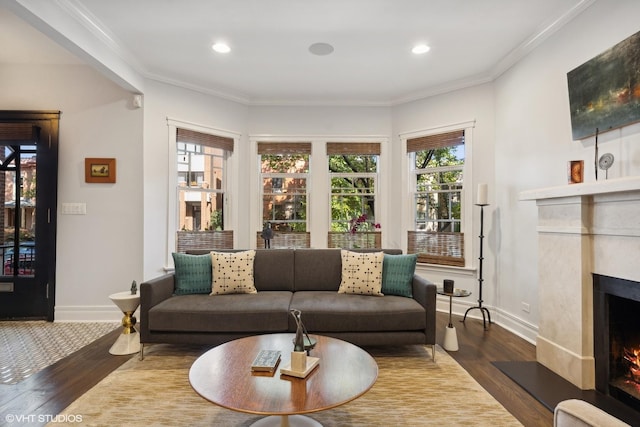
(604, 92)
(99, 170)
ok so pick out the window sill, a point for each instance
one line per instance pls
(462, 271)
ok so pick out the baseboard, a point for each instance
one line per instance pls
(513, 324)
(88, 313)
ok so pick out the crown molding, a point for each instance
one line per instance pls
(544, 32)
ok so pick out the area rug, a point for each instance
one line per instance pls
(411, 390)
(27, 347)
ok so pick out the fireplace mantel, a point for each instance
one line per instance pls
(617, 185)
(582, 229)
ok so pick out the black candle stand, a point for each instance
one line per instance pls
(482, 309)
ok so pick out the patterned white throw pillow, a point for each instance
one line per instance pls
(361, 273)
(232, 272)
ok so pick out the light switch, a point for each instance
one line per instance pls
(74, 208)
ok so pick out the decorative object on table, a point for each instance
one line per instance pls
(575, 170)
(605, 162)
(482, 202)
(301, 363)
(267, 235)
(450, 342)
(311, 363)
(447, 286)
(298, 355)
(99, 170)
(601, 91)
(134, 288)
(266, 361)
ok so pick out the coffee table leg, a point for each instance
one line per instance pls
(286, 421)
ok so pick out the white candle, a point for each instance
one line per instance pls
(482, 194)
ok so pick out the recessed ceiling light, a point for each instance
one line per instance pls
(221, 47)
(321, 49)
(420, 49)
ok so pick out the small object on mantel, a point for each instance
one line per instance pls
(134, 288)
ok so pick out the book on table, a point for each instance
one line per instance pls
(266, 361)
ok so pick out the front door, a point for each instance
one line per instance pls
(28, 193)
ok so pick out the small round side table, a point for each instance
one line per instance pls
(450, 335)
(129, 341)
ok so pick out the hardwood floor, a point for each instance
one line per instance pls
(48, 392)
(478, 348)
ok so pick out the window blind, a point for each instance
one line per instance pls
(433, 142)
(214, 141)
(352, 148)
(444, 248)
(19, 133)
(284, 148)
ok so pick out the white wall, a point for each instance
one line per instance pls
(101, 252)
(533, 142)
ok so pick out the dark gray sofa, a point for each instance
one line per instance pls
(305, 279)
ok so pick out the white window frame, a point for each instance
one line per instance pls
(230, 181)
(408, 187)
(376, 192)
(318, 207)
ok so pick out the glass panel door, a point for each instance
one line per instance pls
(18, 234)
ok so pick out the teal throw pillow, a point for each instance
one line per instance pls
(397, 274)
(192, 274)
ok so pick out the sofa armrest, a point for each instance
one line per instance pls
(578, 413)
(152, 292)
(425, 293)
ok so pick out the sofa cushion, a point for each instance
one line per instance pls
(361, 273)
(273, 270)
(261, 312)
(192, 274)
(326, 311)
(321, 269)
(233, 272)
(397, 274)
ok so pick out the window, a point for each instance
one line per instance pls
(201, 186)
(284, 170)
(353, 174)
(437, 164)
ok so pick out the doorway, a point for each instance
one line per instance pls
(28, 195)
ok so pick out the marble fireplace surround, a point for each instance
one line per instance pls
(582, 229)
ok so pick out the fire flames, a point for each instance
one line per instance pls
(633, 357)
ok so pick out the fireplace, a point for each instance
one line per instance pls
(587, 228)
(616, 318)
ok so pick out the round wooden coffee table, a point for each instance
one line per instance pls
(223, 376)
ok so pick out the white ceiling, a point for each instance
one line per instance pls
(472, 41)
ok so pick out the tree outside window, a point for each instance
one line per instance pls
(284, 171)
(353, 190)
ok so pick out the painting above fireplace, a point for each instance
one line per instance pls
(604, 92)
